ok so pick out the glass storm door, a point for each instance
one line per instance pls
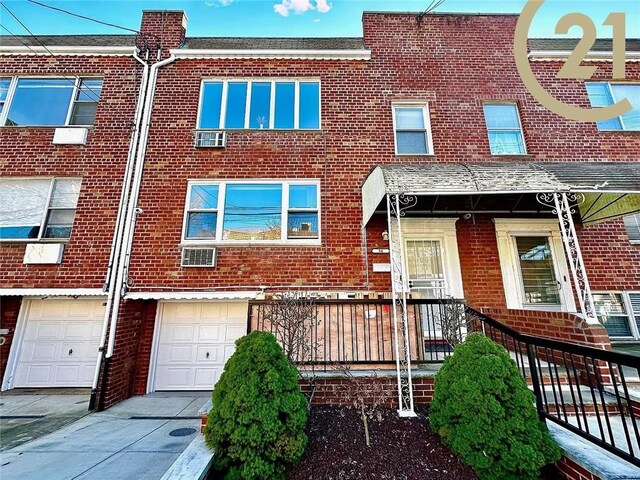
(425, 268)
(539, 279)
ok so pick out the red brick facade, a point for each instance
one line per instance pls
(453, 62)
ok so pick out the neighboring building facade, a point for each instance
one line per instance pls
(270, 165)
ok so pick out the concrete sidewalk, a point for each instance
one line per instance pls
(137, 439)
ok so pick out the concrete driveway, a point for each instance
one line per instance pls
(137, 439)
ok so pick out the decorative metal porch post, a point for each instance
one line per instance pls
(562, 207)
(396, 205)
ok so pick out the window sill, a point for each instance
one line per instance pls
(46, 126)
(415, 154)
(34, 240)
(520, 155)
(254, 130)
(625, 132)
(301, 243)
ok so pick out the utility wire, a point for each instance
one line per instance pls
(84, 17)
(72, 80)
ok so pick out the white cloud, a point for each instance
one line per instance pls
(315, 20)
(301, 6)
(218, 3)
(322, 6)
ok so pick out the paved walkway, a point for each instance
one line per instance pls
(137, 439)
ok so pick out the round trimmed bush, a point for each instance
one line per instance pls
(484, 412)
(258, 415)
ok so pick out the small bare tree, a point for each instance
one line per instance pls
(293, 318)
(452, 321)
(368, 393)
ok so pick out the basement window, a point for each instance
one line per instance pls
(49, 102)
(37, 209)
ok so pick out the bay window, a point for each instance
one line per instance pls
(49, 101)
(35, 209)
(262, 211)
(259, 104)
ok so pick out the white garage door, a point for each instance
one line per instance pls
(194, 342)
(60, 343)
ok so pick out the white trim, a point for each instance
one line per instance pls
(249, 81)
(426, 118)
(444, 231)
(520, 129)
(153, 359)
(591, 55)
(222, 184)
(188, 53)
(506, 231)
(69, 50)
(52, 292)
(16, 345)
(239, 295)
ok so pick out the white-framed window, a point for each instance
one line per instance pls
(504, 129)
(412, 129)
(37, 208)
(619, 313)
(632, 224)
(257, 211)
(49, 101)
(259, 104)
(603, 94)
(4, 91)
(534, 271)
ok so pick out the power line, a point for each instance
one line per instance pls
(73, 81)
(84, 17)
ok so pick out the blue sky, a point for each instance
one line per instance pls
(289, 18)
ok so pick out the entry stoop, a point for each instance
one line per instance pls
(582, 460)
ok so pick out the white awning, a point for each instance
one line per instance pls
(611, 189)
(238, 295)
(52, 292)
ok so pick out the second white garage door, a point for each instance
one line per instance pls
(194, 342)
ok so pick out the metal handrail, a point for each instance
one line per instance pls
(576, 386)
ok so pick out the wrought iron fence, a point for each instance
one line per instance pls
(362, 331)
(593, 393)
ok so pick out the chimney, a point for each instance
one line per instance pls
(162, 30)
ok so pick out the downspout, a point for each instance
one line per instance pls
(129, 224)
(116, 243)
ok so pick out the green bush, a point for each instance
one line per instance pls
(484, 412)
(258, 415)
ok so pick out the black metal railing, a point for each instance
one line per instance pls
(360, 331)
(593, 393)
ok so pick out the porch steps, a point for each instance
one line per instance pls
(566, 402)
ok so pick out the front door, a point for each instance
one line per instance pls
(425, 268)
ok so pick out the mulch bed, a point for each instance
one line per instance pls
(401, 448)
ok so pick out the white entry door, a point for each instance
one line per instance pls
(194, 341)
(59, 346)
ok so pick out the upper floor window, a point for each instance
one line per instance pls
(255, 104)
(261, 211)
(504, 128)
(602, 94)
(412, 129)
(39, 208)
(49, 101)
(632, 222)
(4, 90)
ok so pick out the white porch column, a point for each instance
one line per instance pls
(396, 204)
(562, 207)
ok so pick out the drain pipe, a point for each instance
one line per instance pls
(129, 224)
(116, 243)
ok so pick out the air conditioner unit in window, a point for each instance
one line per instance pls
(211, 139)
(199, 257)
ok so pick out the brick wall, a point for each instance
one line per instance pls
(122, 371)
(473, 54)
(9, 311)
